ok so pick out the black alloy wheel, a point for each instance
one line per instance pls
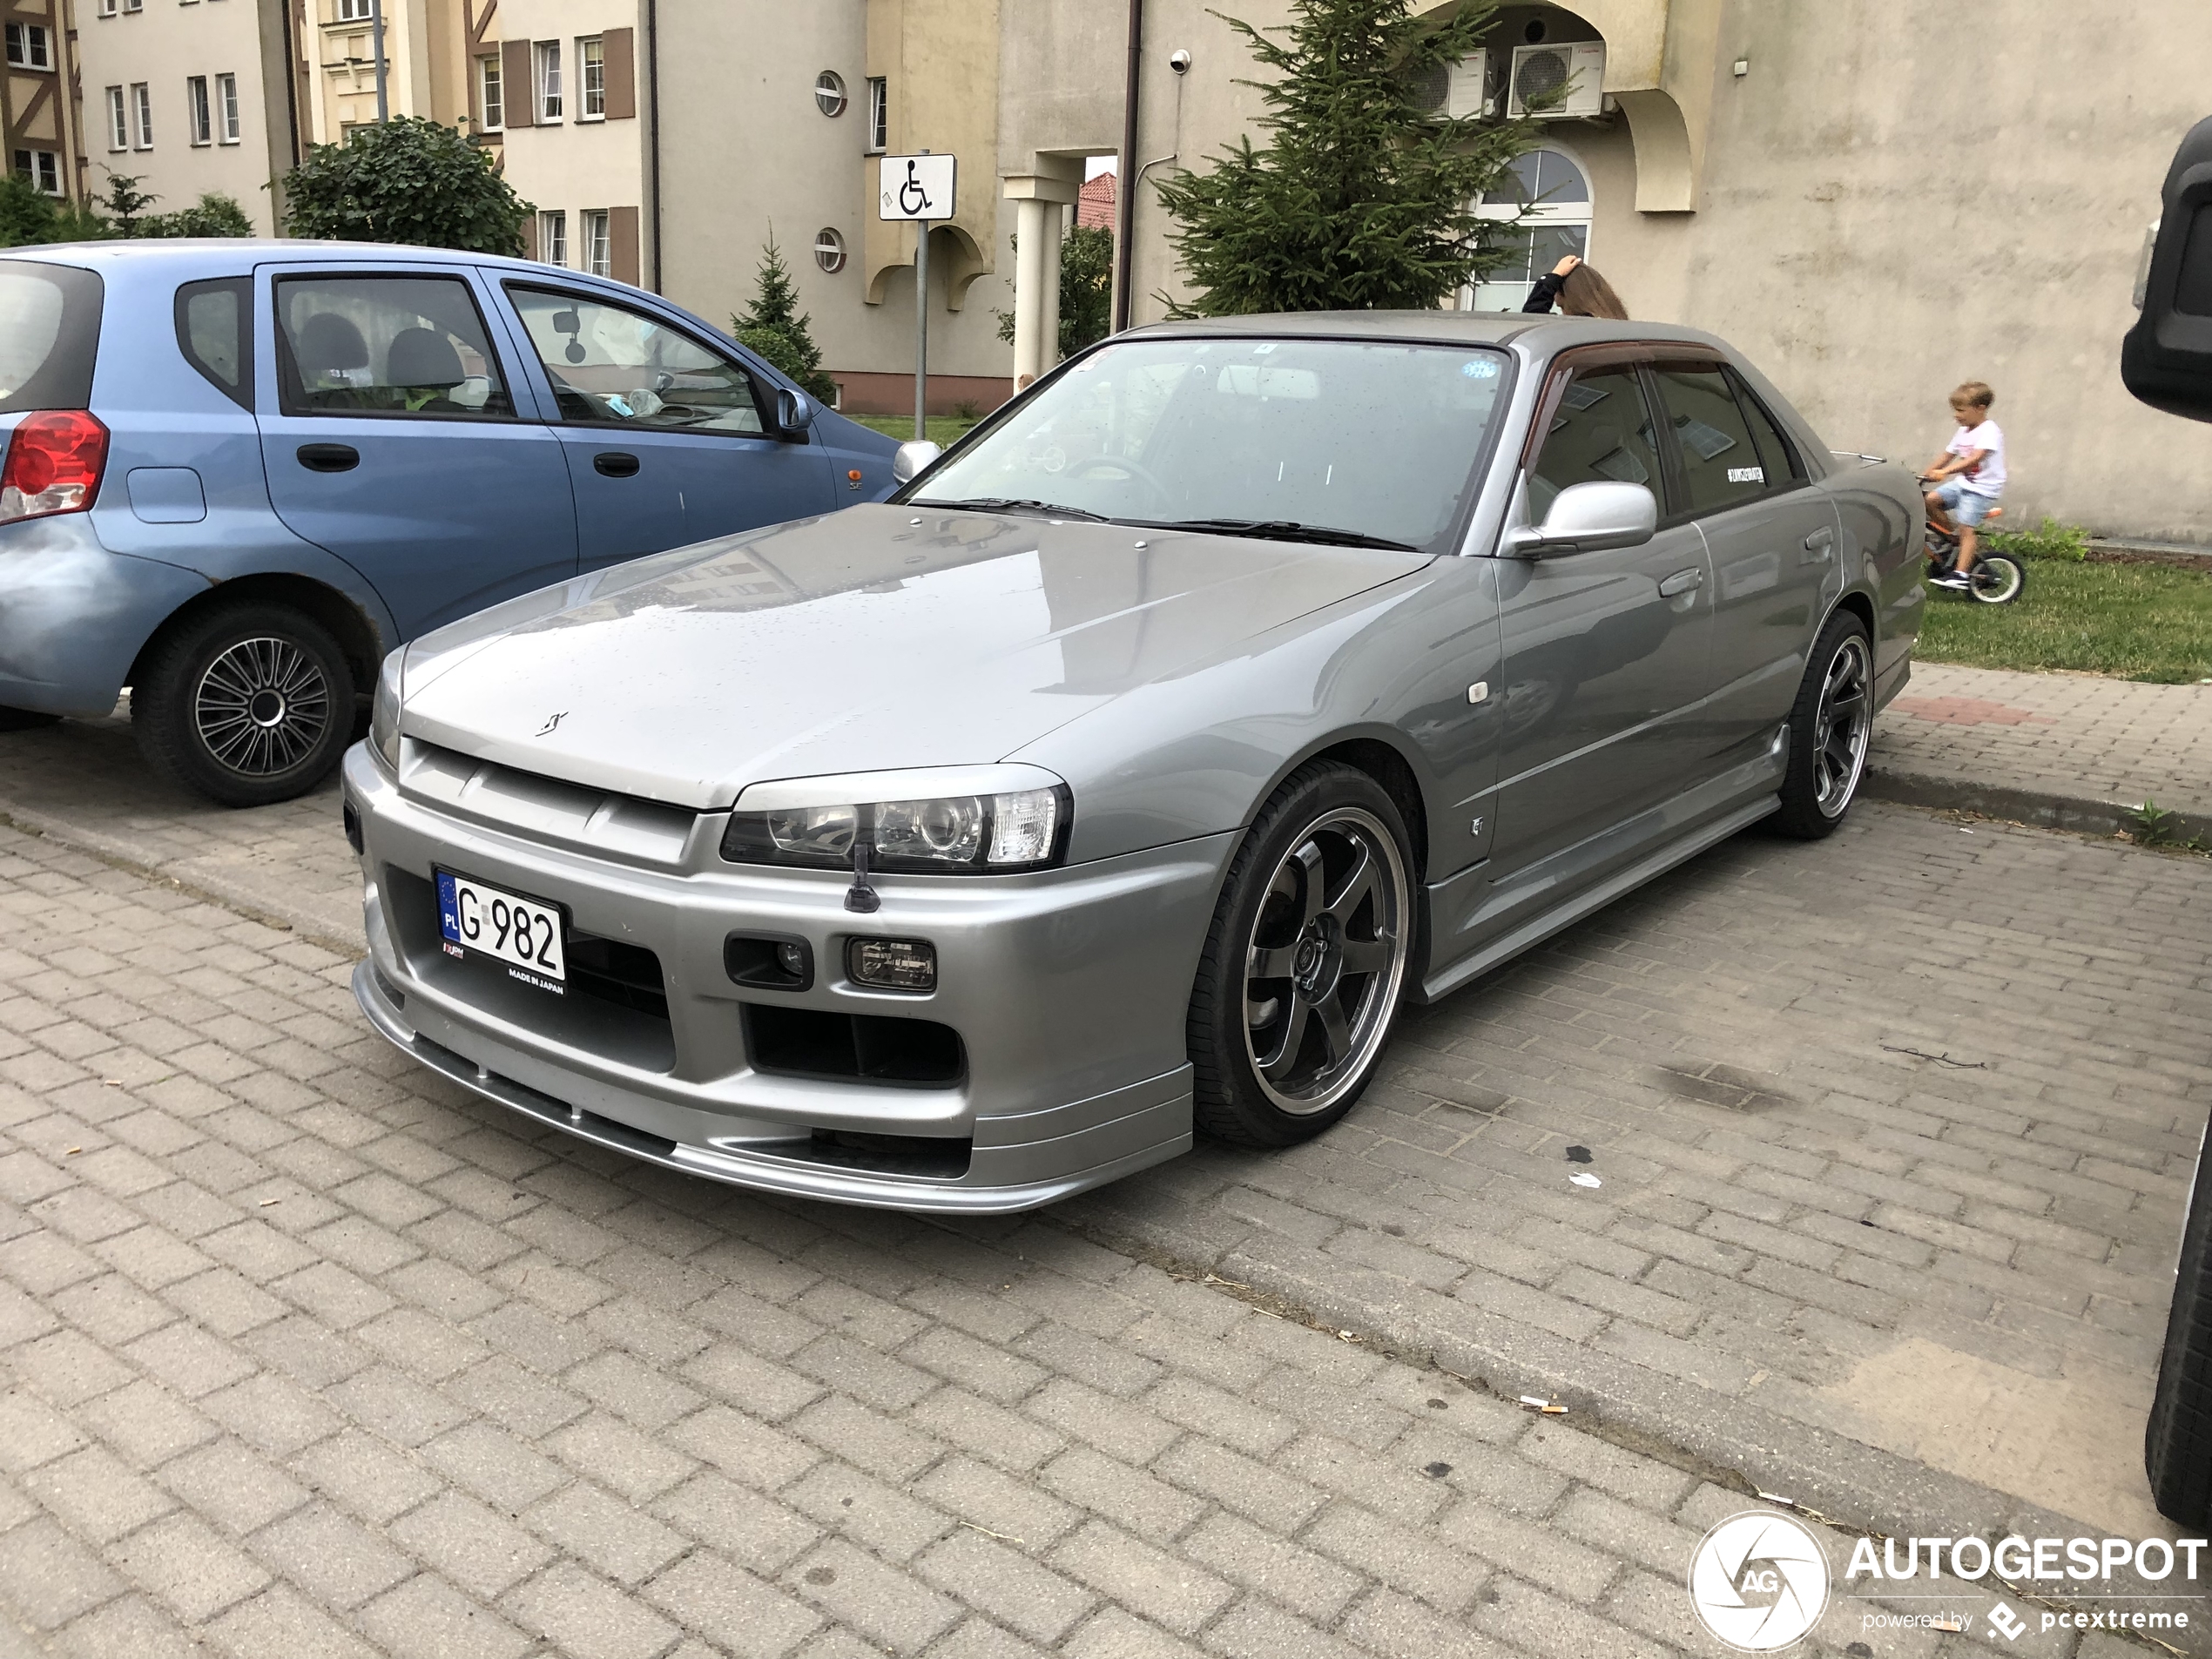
(1831, 728)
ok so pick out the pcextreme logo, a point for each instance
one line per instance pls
(1759, 1582)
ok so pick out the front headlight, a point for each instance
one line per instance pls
(384, 720)
(977, 820)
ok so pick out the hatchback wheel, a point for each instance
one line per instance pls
(1832, 725)
(1305, 962)
(245, 704)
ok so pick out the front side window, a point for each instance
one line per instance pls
(118, 120)
(549, 80)
(879, 113)
(611, 365)
(227, 106)
(1721, 465)
(591, 68)
(1602, 433)
(491, 100)
(553, 238)
(385, 346)
(198, 109)
(1371, 439)
(142, 116)
(597, 245)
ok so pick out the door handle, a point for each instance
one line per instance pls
(1818, 544)
(1682, 581)
(329, 457)
(613, 463)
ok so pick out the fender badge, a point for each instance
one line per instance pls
(552, 720)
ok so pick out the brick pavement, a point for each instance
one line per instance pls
(2054, 748)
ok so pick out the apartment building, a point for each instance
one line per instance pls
(38, 116)
(428, 45)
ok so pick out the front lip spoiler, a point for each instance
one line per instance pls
(766, 1173)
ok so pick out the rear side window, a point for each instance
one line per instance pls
(215, 333)
(1602, 431)
(1780, 455)
(1721, 465)
(386, 346)
(49, 334)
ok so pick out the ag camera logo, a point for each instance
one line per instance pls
(1759, 1582)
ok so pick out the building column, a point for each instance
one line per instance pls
(1038, 199)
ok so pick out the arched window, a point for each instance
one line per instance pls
(1552, 186)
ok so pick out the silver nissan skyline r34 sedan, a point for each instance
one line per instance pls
(1121, 776)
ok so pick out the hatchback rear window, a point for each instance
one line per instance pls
(50, 331)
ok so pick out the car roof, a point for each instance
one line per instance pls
(251, 250)
(1539, 332)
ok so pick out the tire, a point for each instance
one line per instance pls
(1997, 579)
(1832, 726)
(247, 705)
(1321, 890)
(25, 719)
(2177, 1442)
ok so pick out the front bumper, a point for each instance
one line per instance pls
(1068, 990)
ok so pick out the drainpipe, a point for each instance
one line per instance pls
(1125, 204)
(652, 131)
(376, 28)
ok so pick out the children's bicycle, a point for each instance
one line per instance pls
(1996, 578)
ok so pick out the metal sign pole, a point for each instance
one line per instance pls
(922, 328)
(918, 190)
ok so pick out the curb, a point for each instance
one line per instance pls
(2081, 814)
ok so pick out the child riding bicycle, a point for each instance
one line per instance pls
(1968, 476)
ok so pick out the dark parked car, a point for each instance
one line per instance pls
(237, 473)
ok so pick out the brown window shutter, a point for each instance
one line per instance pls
(622, 244)
(619, 54)
(518, 91)
(529, 237)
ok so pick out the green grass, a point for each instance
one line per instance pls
(943, 428)
(2137, 621)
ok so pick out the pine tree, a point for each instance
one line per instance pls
(774, 326)
(1362, 198)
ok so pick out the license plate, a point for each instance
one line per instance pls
(524, 934)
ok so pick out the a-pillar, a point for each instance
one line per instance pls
(1039, 199)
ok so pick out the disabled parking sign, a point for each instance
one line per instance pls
(910, 187)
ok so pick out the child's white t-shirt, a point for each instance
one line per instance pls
(1988, 478)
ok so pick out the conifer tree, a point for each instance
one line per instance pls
(774, 326)
(1363, 198)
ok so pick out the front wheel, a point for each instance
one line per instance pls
(1305, 962)
(245, 703)
(1831, 724)
(1997, 579)
(2177, 1442)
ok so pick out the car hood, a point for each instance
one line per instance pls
(873, 639)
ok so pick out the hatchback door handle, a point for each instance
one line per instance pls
(613, 463)
(329, 457)
(1682, 581)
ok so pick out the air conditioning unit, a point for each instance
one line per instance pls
(1541, 73)
(1455, 91)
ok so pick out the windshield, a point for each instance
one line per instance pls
(1379, 439)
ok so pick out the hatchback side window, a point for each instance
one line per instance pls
(1602, 432)
(1721, 465)
(611, 365)
(215, 333)
(404, 346)
(1777, 453)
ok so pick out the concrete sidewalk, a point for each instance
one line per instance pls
(2066, 750)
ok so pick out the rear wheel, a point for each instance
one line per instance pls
(24, 719)
(1305, 962)
(1997, 579)
(247, 705)
(1831, 726)
(2177, 1442)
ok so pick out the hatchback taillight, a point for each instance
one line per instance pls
(55, 459)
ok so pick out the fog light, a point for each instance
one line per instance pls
(892, 964)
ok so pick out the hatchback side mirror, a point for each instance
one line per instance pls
(912, 459)
(1587, 518)
(2166, 360)
(794, 411)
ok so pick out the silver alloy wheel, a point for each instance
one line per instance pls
(1326, 961)
(262, 706)
(1843, 726)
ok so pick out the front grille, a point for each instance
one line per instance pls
(628, 976)
(863, 1048)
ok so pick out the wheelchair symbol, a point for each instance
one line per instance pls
(913, 200)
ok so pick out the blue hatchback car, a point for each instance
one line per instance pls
(239, 473)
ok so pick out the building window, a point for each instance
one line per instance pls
(134, 5)
(198, 110)
(491, 100)
(40, 169)
(119, 125)
(227, 106)
(549, 80)
(1548, 193)
(829, 250)
(829, 92)
(352, 11)
(591, 67)
(142, 115)
(598, 245)
(29, 46)
(107, 8)
(553, 238)
(879, 114)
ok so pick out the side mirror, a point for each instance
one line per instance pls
(1588, 518)
(794, 410)
(913, 459)
(2166, 360)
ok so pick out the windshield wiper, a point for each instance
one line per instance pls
(1009, 503)
(1280, 529)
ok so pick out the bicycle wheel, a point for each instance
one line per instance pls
(1997, 579)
